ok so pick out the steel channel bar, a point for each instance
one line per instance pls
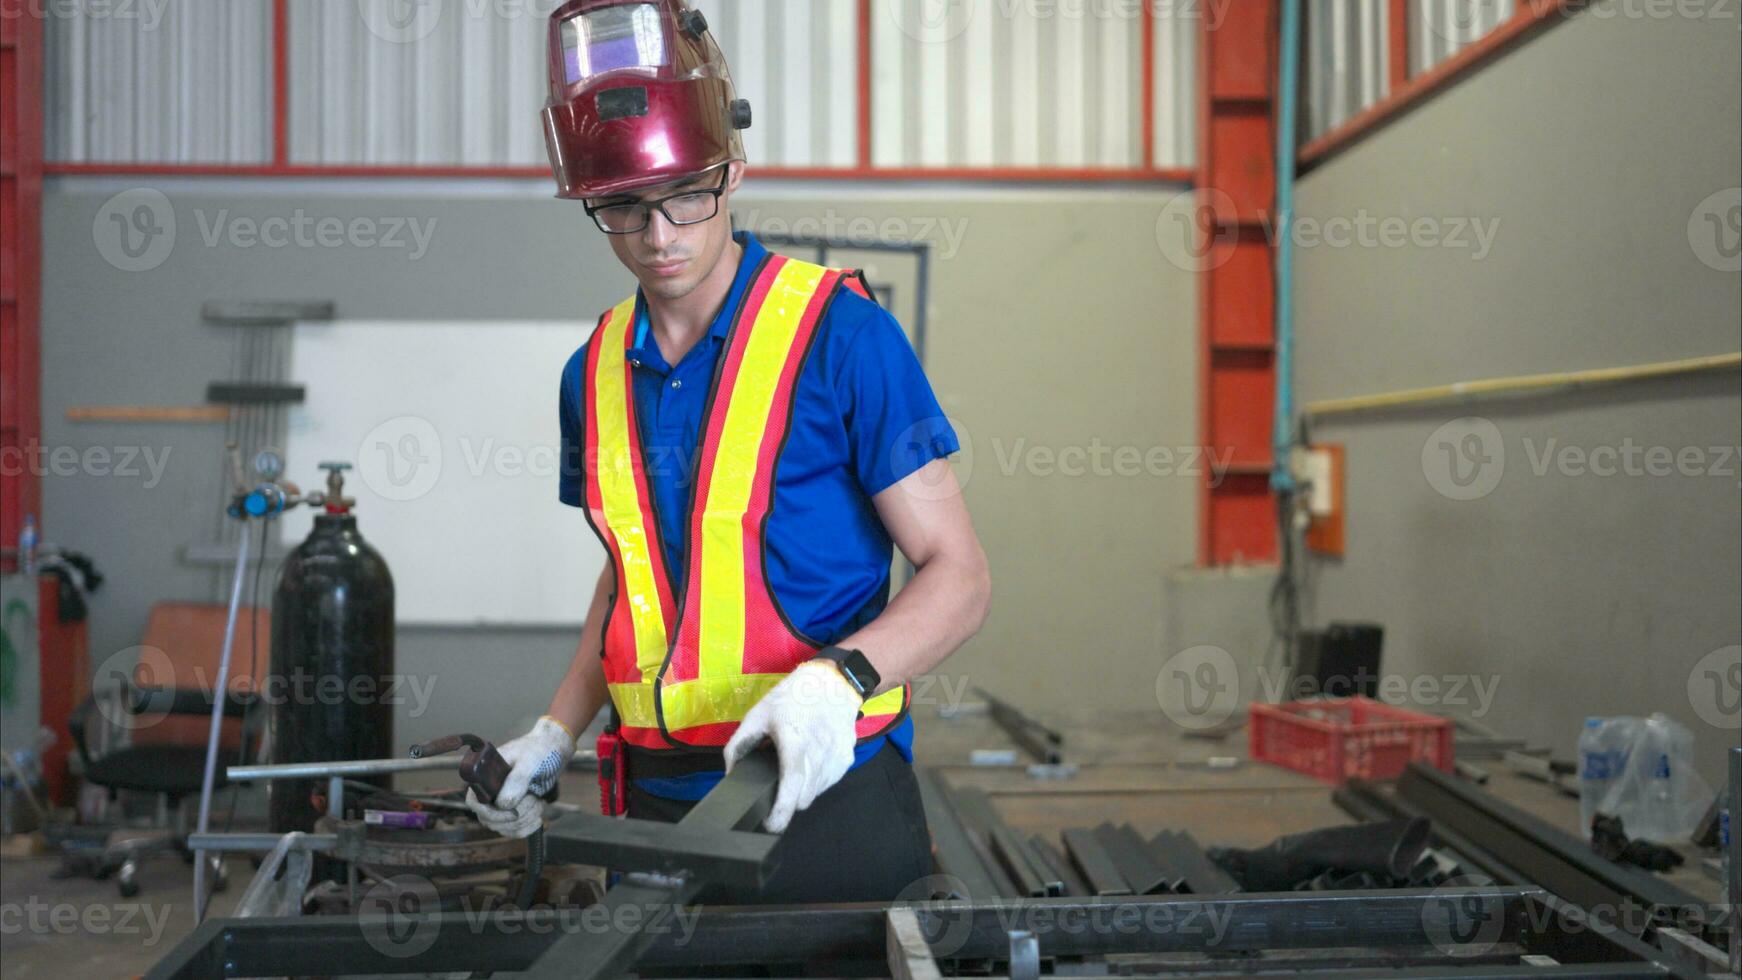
(1558, 928)
(612, 951)
(733, 857)
(1136, 864)
(1202, 876)
(975, 810)
(1044, 744)
(1014, 856)
(708, 844)
(511, 940)
(1549, 857)
(1058, 866)
(956, 856)
(1092, 860)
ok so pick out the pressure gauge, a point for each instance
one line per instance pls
(269, 464)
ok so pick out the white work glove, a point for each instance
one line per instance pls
(537, 759)
(810, 718)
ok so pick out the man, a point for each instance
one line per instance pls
(748, 435)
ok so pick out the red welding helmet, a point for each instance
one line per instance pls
(639, 96)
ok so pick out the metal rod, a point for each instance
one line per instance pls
(324, 770)
(219, 697)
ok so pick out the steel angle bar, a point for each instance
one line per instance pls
(955, 855)
(1098, 869)
(1546, 855)
(1137, 865)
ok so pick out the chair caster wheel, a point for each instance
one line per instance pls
(127, 880)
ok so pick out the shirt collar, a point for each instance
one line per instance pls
(748, 263)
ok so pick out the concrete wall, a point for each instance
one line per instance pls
(1059, 334)
(1594, 148)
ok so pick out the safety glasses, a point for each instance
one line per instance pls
(685, 208)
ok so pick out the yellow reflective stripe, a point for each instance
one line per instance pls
(887, 703)
(721, 549)
(634, 704)
(619, 495)
(712, 700)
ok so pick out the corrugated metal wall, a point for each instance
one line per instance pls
(1347, 52)
(1442, 27)
(177, 82)
(986, 83)
(386, 82)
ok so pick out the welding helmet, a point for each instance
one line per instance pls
(639, 96)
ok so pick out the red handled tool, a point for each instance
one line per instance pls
(613, 773)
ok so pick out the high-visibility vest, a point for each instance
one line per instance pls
(684, 664)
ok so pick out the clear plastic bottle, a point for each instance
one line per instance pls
(1662, 749)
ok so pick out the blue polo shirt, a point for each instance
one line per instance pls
(864, 418)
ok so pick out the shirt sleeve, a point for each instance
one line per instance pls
(570, 488)
(894, 423)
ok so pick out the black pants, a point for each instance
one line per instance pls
(863, 840)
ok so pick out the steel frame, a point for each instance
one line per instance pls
(1547, 856)
(1485, 932)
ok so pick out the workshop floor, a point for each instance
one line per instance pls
(1132, 768)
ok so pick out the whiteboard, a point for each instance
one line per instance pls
(452, 427)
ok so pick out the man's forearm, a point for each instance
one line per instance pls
(935, 613)
(582, 691)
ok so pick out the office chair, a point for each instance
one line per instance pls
(147, 733)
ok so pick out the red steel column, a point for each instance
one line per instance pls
(1236, 290)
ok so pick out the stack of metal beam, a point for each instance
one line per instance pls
(978, 855)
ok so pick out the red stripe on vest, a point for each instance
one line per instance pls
(620, 624)
(684, 662)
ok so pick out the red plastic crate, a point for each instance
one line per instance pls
(1347, 738)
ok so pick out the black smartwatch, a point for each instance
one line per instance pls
(855, 667)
